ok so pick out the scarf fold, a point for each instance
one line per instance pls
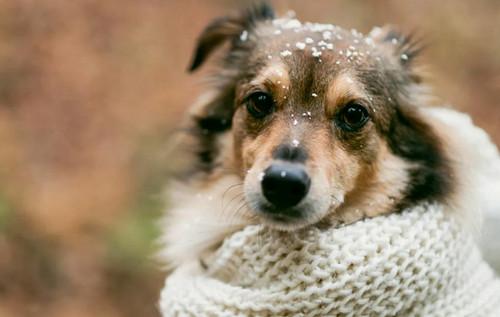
(417, 263)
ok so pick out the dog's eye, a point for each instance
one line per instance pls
(353, 117)
(260, 104)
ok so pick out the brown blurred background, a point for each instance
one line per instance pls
(90, 94)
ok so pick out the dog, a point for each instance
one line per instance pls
(304, 124)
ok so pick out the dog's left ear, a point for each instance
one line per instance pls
(398, 46)
(235, 28)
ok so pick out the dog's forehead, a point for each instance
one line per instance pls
(325, 47)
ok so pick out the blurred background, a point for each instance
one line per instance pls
(91, 93)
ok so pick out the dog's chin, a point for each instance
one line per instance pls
(286, 219)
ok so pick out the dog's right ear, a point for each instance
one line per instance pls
(228, 28)
(403, 48)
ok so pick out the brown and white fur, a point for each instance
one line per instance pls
(312, 72)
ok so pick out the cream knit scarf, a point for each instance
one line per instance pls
(421, 262)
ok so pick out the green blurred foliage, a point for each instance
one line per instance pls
(6, 214)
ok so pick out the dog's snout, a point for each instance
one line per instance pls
(290, 152)
(284, 185)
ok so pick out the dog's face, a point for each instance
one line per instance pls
(308, 122)
(319, 122)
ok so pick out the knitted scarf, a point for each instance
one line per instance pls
(418, 263)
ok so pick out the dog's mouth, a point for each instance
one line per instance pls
(288, 219)
(281, 215)
(283, 219)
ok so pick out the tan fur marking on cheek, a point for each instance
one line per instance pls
(319, 145)
(332, 160)
(342, 89)
(378, 189)
(346, 169)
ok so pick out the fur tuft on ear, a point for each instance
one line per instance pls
(228, 28)
(403, 47)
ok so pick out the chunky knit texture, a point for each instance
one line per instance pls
(418, 263)
(422, 262)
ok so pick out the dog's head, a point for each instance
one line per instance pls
(321, 123)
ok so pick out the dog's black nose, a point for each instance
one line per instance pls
(285, 184)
